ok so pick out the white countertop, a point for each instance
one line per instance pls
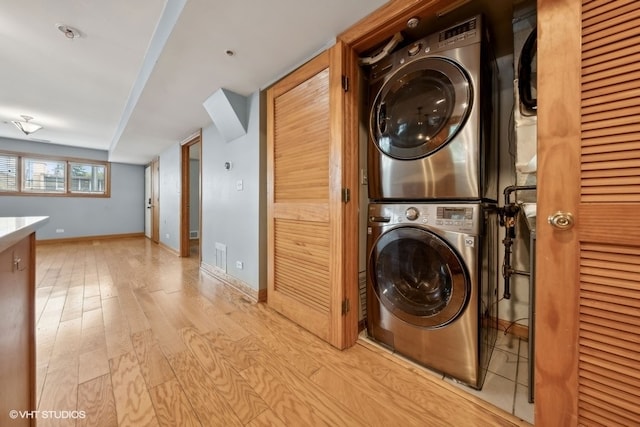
(15, 228)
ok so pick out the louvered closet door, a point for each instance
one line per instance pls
(589, 315)
(305, 176)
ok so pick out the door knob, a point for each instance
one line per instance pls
(561, 220)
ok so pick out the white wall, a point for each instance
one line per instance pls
(122, 213)
(170, 191)
(232, 217)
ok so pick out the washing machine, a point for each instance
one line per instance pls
(432, 122)
(432, 284)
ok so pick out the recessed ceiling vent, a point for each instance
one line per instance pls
(228, 110)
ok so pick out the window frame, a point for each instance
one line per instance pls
(17, 173)
(68, 161)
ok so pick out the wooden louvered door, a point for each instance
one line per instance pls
(588, 278)
(308, 165)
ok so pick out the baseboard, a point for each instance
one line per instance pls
(237, 284)
(516, 329)
(88, 238)
(169, 248)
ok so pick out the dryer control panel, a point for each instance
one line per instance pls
(458, 33)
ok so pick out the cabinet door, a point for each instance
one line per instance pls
(16, 329)
(310, 227)
(588, 277)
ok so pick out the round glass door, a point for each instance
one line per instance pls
(418, 277)
(420, 108)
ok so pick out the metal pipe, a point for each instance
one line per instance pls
(509, 212)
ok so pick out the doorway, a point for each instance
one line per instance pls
(147, 202)
(151, 201)
(190, 228)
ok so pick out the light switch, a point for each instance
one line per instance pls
(239, 185)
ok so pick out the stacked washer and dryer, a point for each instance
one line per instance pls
(432, 223)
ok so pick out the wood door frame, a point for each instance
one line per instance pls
(370, 31)
(556, 376)
(185, 207)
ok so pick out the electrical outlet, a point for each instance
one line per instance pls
(239, 265)
(59, 230)
(167, 235)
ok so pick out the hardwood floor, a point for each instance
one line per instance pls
(128, 334)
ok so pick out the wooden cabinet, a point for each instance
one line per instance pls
(17, 338)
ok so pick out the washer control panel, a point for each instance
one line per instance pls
(452, 217)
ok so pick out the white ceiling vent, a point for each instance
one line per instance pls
(228, 110)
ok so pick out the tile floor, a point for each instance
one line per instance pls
(506, 384)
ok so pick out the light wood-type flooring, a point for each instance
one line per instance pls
(131, 335)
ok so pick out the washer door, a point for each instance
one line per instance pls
(420, 108)
(418, 277)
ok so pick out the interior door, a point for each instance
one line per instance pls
(588, 276)
(190, 194)
(311, 227)
(147, 201)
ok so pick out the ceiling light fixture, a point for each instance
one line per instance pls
(69, 32)
(25, 125)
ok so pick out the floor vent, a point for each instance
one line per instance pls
(221, 257)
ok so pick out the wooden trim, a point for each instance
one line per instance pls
(67, 193)
(297, 211)
(52, 157)
(314, 66)
(232, 282)
(33, 402)
(185, 209)
(385, 21)
(623, 231)
(350, 174)
(88, 238)
(184, 200)
(515, 329)
(559, 141)
(337, 167)
(169, 248)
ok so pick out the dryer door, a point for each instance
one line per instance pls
(418, 277)
(420, 108)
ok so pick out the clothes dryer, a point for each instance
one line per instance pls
(432, 284)
(431, 119)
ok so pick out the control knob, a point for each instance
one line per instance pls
(412, 214)
(413, 50)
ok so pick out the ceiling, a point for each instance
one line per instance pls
(134, 81)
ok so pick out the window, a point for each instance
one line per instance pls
(30, 175)
(8, 173)
(44, 176)
(87, 178)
